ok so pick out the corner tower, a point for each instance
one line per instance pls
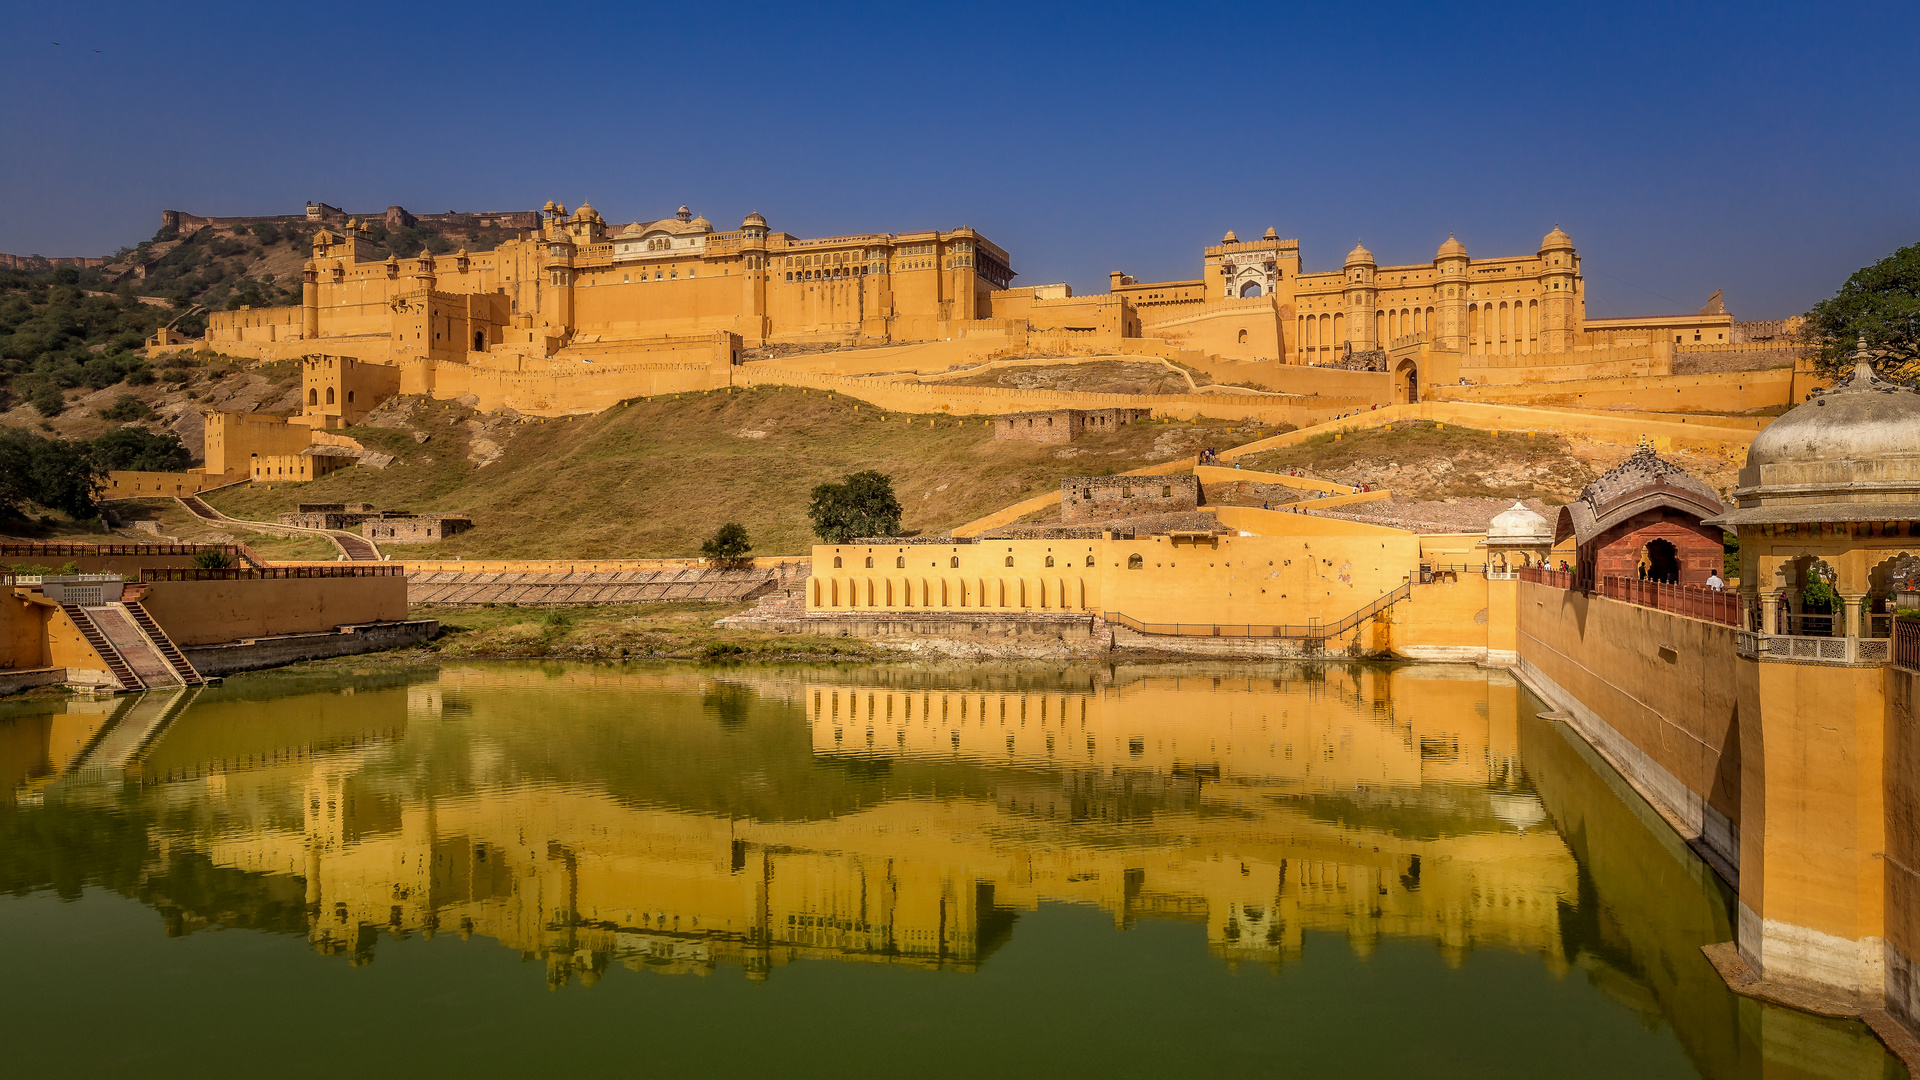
(1560, 303)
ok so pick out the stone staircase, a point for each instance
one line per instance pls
(136, 651)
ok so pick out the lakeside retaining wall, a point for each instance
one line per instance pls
(1659, 694)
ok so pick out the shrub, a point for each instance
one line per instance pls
(126, 407)
(47, 398)
(211, 560)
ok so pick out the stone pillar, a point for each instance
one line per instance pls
(1853, 602)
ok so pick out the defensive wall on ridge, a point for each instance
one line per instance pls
(923, 399)
(1729, 391)
(1728, 435)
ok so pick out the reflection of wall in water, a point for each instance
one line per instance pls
(1204, 831)
(1381, 725)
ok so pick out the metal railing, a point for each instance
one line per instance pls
(1542, 575)
(1313, 630)
(1906, 643)
(114, 549)
(241, 573)
(1713, 605)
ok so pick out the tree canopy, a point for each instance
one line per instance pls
(1880, 303)
(862, 504)
(55, 473)
(728, 544)
(141, 450)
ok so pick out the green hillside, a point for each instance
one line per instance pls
(655, 478)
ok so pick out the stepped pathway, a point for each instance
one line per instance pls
(350, 546)
(602, 587)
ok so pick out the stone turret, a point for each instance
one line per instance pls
(1450, 314)
(1559, 295)
(1361, 331)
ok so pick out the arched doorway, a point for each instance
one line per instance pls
(479, 341)
(1251, 288)
(1662, 562)
(1408, 379)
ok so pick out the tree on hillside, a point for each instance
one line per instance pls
(862, 504)
(55, 473)
(1880, 303)
(728, 545)
(141, 450)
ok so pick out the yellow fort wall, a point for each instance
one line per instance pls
(203, 612)
(1322, 569)
(1712, 434)
(1730, 391)
(131, 484)
(1654, 690)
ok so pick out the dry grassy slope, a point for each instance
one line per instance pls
(1097, 377)
(655, 478)
(1423, 461)
(178, 526)
(1426, 461)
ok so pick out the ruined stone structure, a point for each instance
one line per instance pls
(329, 515)
(1647, 512)
(1063, 425)
(400, 527)
(1103, 498)
(386, 526)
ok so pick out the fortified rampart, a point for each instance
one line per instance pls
(48, 262)
(1720, 392)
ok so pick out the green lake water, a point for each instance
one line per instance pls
(546, 869)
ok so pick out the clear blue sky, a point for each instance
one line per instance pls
(1768, 150)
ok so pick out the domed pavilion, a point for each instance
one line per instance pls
(1517, 537)
(1830, 495)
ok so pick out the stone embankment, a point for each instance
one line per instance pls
(691, 583)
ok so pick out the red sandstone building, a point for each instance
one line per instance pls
(1645, 512)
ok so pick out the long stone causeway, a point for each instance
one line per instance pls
(602, 587)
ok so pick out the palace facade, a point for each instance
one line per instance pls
(578, 280)
(1510, 305)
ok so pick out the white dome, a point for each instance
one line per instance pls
(1519, 523)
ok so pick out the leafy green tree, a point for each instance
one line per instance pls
(728, 544)
(862, 504)
(140, 450)
(55, 473)
(1880, 303)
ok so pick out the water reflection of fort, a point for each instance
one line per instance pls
(669, 821)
